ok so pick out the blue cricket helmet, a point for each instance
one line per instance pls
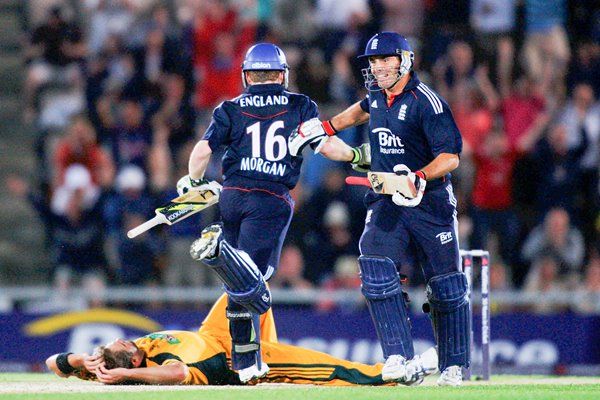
(387, 44)
(265, 57)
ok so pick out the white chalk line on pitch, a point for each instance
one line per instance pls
(72, 385)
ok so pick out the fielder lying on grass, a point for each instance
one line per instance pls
(204, 358)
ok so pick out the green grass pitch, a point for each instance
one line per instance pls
(47, 386)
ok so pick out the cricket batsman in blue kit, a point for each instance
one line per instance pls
(413, 134)
(255, 205)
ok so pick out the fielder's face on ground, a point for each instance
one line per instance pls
(385, 69)
(122, 345)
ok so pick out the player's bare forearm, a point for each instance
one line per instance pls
(74, 360)
(169, 374)
(351, 116)
(199, 159)
(335, 149)
(441, 165)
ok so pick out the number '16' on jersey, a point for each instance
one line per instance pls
(255, 128)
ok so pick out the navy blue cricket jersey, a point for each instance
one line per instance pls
(413, 130)
(255, 128)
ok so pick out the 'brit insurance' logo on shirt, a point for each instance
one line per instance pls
(445, 237)
(388, 142)
(402, 114)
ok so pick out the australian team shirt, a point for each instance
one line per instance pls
(205, 356)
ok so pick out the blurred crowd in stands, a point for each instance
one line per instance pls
(120, 90)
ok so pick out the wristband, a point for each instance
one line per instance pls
(329, 128)
(421, 174)
(356, 157)
(62, 362)
(197, 182)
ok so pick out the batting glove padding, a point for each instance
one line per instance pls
(418, 181)
(309, 132)
(362, 158)
(187, 183)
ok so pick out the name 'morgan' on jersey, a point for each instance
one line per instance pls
(255, 128)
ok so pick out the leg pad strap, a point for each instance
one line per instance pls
(447, 295)
(382, 288)
(244, 328)
(243, 281)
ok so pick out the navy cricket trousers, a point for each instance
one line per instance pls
(425, 235)
(256, 221)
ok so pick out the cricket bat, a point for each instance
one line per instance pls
(178, 209)
(386, 183)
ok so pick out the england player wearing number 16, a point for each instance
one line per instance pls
(255, 204)
(411, 132)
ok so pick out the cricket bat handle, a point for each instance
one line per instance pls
(151, 223)
(358, 180)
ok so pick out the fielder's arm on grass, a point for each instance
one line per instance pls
(71, 364)
(86, 367)
(173, 373)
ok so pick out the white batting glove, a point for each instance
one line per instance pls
(419, 182)
(186, 184)
(308, 132)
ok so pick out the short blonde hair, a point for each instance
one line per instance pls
(115, 359)
(263, 76)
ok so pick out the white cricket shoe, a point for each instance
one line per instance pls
(421, 366)
(207, 246)
(252, 373)
(451, 376)
(394, 369)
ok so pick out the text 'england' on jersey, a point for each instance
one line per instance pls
(413, 130)
(255, 128)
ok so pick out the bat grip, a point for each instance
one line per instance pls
(358, 180)
(138, 230)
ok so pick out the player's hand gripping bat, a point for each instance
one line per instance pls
(385, 183)
(179, 209)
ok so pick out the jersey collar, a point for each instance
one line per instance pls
(265, 87)
(143, 364)
(412, 83)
